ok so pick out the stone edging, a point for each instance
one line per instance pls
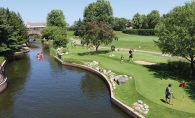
(3, 85)
(130, 111)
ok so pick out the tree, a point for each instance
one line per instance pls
(76, 33)
(56, 18)
(176, 33)
(57, 34)
(144, 22)
(153, 19)
(13, 32)
(100, 10)
(137, 21)
(96, 33)
(73, 26)
(60, 37)
(56, 28)
(120, 23)
(48, 32)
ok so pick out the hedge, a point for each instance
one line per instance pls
(142, 32)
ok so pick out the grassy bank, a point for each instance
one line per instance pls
(147, 85)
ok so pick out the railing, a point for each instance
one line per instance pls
(34, 32)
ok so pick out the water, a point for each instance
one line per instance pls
(46, 89)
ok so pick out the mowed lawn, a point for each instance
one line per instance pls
(136, 42)
(130, 41)
(146, 85)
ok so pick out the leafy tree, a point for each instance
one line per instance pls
(76, 33)
(176, 33)
(96, 33)
(137, 21)
(60, 37)
(144, 22)
(13, 32)
(56, 18)
(48, 32)
(100, 10)
(57, 34)
(120, 23)
(153, 19)
(56, 28)
(73, 26)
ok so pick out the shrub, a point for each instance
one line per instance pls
(142, 32)
(112, 48)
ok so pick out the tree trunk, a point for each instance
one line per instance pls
(192, 66)
(96, 48)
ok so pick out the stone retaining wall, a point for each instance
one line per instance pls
(130, 111)
(3, 84)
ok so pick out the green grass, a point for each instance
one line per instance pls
(130, 41)
(147, 85)
(1, 59)
(134, 41)
(71, 34)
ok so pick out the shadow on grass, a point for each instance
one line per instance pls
(162, 100)
(190, 90)
(175, 70)
(94, 52)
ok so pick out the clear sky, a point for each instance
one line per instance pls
(37, 10)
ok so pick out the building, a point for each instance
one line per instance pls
(35, 28)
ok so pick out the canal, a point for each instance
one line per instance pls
(46, 89)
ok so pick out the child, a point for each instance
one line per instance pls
(122, 59)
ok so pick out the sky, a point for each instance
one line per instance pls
(37, 10)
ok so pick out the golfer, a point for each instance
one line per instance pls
(168, 94)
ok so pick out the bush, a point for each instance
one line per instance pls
(142, 32)
(112, 48)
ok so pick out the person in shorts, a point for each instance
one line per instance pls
(168, 94)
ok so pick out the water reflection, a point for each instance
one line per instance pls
(91, 85)
(17, 74)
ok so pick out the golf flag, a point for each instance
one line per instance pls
(182, 84)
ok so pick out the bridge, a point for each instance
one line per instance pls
(34, 32)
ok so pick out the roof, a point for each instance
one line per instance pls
(38, 24)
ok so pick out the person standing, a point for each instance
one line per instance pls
(130, 55)
(168, 94)
(122, 59)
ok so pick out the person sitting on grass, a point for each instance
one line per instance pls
(168, 94)
(122, 59)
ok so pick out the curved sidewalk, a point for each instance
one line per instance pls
(130, 111)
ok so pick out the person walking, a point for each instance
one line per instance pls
(168, 94)
(130, 55)
(122, 59)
